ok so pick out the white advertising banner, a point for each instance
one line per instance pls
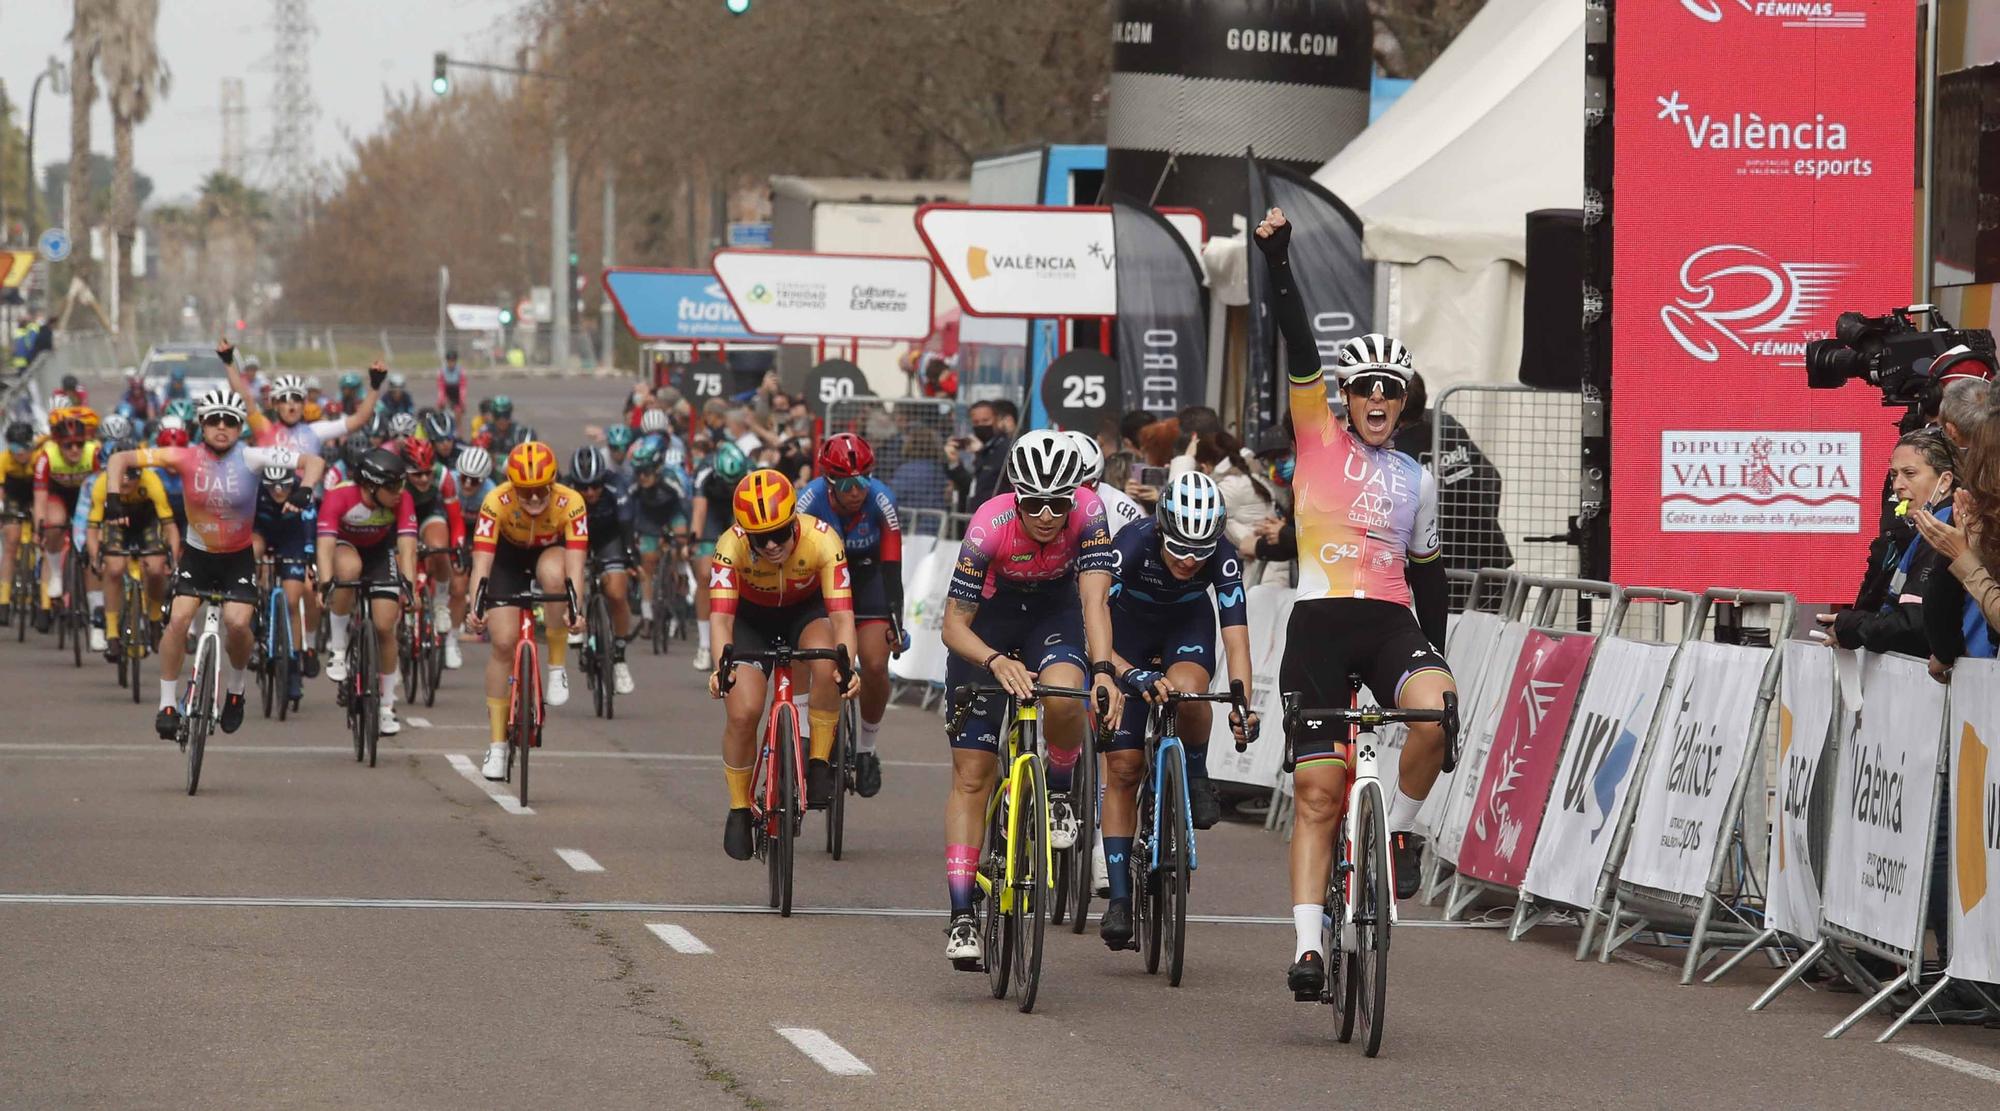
(1975, 821)
(1269, 608)
(1469, 641)
(798, 293)
(1477, 725)
(474, 318)
(1807, 706)
(1685, 787)
(1032, 260)
(1885, 806)
(1607, 733)
(926, 577)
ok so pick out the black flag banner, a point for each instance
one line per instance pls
(1336, 283)
(1162, 312)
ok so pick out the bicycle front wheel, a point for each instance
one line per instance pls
(1036, 890)
(843, 775)
(1173, 874)
(1371, 920)
(788, 814)
(1075, 862)
(134, 647)
(521, 730)
(998, 934)
(370, 699)
(199, 715)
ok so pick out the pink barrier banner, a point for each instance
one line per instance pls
(1527, 748)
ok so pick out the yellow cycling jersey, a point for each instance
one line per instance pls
(817, 567)
(53, 472)
(564, 520)
(143, 498)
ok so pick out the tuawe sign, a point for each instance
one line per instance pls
(802, 294)
(667, 305)
(1035, 260)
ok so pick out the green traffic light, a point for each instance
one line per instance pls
(440, 86)
(440, 80)
(506, 317)
(736, 7)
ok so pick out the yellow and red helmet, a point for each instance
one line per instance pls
(531, 466)
(765, 500)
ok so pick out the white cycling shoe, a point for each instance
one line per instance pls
(575, 640)
(621, 678)
(96, 639)
(555, 691)
(453, 658)
(336, 666)
(701, 661)
(961, 943)
(1062, 824)
(495, 767)
(386, 723)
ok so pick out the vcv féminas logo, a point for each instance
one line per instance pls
(1737, 295)
(1789, 13)
(1792, 143)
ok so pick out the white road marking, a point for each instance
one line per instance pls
(827, 1053)
(1956, 1064)
(1647, 963)
(678, 939)
(333, 750)
(36, 898)
(421, 723)
(579, 860)
(508, 803)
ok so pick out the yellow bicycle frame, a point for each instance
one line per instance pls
(1025, 714)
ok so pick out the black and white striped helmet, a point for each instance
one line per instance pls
(221, 401)
(1093, 455)
(1373, 353)
(288, 385)
(1190, 514)
(1044, 464)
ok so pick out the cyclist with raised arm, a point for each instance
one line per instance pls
(219, 478)
(1372, 594)
(714, 489)
(440, 525)
(778, 575)
(532, 534)
(1163, 640)
(368, 532)
(1034, 578)
(610, 553)
(862, 509)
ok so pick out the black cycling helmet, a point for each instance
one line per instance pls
(439, 425)
(586, 467)
(381, 467)
(352, 449)
(22, 433)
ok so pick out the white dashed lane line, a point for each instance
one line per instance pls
(421, 723)
(579, 860)
(465, 768)
(1956, 1064)
(825, 1052)
(679, 939)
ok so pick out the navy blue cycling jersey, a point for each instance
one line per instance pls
(1143, 586)
(872, 533)
(656, 508)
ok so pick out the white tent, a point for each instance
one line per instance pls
(1444, 181)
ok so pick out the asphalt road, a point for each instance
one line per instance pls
(311, 932)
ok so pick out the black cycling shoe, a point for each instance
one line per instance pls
(867, 774)
(1409, 862)
(736, 834)
(44, 620)
(1203, 802)
(232, 713)
(309, 664)
(167, 723)
(819, 783)
(112, 648)
(1116, 925)
(1307, 977)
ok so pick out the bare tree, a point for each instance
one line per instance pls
(133, 72)
(1410, 34)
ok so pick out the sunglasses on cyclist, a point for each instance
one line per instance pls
(281, 398)
(1181, 551)
(1368, 381)
(1056, 506)
(69, 445)
(223, 419)
(848, 485)
(776, 538)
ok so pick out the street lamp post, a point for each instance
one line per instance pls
(54, 70)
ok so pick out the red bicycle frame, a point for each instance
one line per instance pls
(766, 801)
(526, 679)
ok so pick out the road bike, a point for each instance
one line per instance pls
(525, 708)
(1359, 911)
(600, 652)
(275, 659)
(672, 591)
(27, 575)
(418, 636)
(1162, 861)
(138, 633)
(73, 612)
(1016, 874)
(843, 757)
(361, 693)
(201, 706)
(1074, 882)
(778, 784)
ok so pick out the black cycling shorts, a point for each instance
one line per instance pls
(230, 574)
(1329, 639)
(759, 628)
(1044, 627)
(514, 570)
(871, 592)
(378, 568)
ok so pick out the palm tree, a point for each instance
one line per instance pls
(86, 23)
(128, 52)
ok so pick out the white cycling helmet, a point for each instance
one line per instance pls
(653, 420)
(275, 474)
(116, 428)
(402, 425)
(474, 463)
(221, 401)
(1093, 456)
(1190, 514)
(1044, 464)
(1373, 354)
(288, 385)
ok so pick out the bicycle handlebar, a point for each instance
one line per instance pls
(964, 698)
(519, 600)
(1315, 719)
(1237, 699)
(782, 654)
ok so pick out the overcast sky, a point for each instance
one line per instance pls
(363, 47)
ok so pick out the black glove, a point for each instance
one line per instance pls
(376, 376)
(301, 498)
(1274, 245)
(226, 352)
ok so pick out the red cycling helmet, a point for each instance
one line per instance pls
(845, 455)
(172, 437)
(419, 454)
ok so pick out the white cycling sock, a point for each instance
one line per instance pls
(1306, 922)
(451, 637)
(389, 683)
(237, 681)
(336, 635)
(866, 741)
(645, 609)
(1403, 812)
(52, 572)
(95, 598)
(170, 694)
(702, 631)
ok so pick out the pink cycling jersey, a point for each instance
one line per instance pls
(220, 491)
(999, 554)
(348, 516)
(1363, 512)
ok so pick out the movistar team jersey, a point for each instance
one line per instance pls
(1142, 584)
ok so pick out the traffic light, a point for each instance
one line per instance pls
(736, 7)
(440, 81)
(506, 317)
